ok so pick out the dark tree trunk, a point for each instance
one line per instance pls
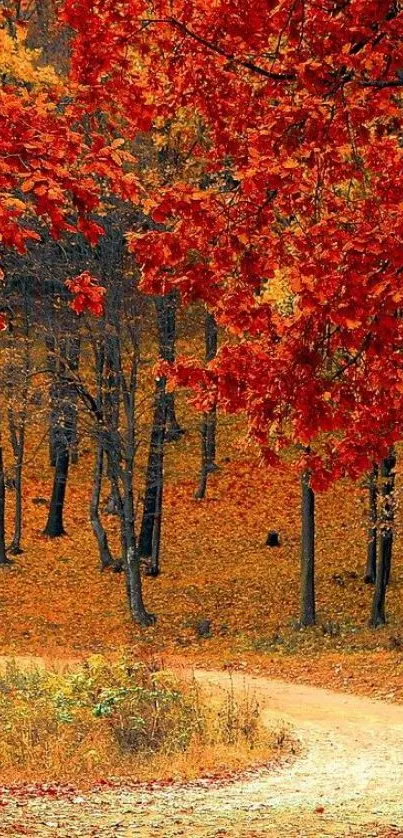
(53, 397)
(55, 527)
(110, 395)
(123, 465)
(3, 555)
(200, 492)
(17, 420)
(118, 501)
(208, 430)
(166, 308)
(62, 434)
(165, 428)
(112, 416)
(108, 448)
(308, 616)
(17, 436)
(99, 531)
(15, 546)
(154, 478)
(132, 558)
(378, 614)
(370, 570)
(154, 567)
(62, 395)
(74, 351)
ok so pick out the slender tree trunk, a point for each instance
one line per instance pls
(370, 570)
(112, 413)
(378, 614)
(74, 351)
(54, 397)
(165, 428)
(208, 430)
(18, 445)
(118, 502)
(154, 567)
(54, 526)
(62, 439)
(15, 546)
(155, 472)
(132, 559)
(3, 555)
(308, 615)
(107, 450)
(99, 531)
(390, 467)
(17, 420)
(166, 308)
(200, 492)
(125, 466)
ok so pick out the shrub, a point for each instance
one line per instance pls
(114, 718)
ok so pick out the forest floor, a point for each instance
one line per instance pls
(347, 775)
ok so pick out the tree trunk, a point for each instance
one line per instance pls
(166, 308)
(17, 421)
(112, 416)
(53, 397)
(378, 615)
(62, 439)
(211, 338)
(154, 567)
(74, 351)
(370, 570)
(208, 430)
(105, 555)
(3, 555)
(155, 472)
(54, 527)
(17, 437)
(308, 617)
(132, 558)
(200, 493)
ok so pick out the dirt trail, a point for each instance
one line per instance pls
(351, 767)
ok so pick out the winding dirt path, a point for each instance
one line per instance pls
(349, 775)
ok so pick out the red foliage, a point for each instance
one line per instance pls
(56, 163)
(88, 295)
(300, 118)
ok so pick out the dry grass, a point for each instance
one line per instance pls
(122, 719)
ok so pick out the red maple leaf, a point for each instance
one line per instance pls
(88, 295)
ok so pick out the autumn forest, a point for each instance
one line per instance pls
(201, 402)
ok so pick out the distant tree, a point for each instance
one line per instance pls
(209, 423)
(370, 570)
(378, 616)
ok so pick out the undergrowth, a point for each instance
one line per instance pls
(122, 719)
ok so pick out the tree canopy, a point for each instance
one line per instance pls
(282, 207)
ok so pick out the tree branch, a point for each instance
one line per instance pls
(230, 57)
(261, 71)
